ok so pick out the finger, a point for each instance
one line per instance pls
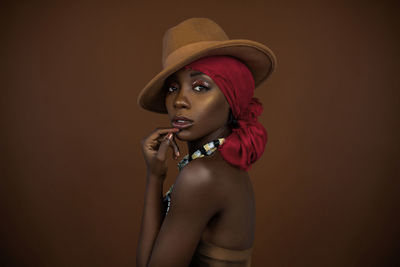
(159, 134)
(156, 137)
(162, 150)
(175, 148)
(161, 131)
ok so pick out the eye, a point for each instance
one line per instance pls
(172, 87)
(200, 86)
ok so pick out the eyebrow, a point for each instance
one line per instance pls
(195, 73)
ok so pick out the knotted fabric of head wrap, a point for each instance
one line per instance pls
(247, 142)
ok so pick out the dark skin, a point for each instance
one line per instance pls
(212, 200)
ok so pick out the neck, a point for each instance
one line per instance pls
(219, 133)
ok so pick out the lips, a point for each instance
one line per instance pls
(181, 122)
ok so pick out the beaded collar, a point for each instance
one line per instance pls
(205, 150)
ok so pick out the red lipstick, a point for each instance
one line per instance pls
(181, 122)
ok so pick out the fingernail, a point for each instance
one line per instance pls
(177, 153)
(169, 136)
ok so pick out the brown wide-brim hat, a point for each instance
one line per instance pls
(196, 38)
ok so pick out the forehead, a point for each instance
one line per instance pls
(187, 73)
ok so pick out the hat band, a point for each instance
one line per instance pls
(185, 51)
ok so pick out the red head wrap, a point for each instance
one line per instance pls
(247, 142)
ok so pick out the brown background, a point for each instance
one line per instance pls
(72, 175)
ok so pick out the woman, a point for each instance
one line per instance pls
(206, 87)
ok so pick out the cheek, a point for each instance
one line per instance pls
(168, 105)
(213, 111)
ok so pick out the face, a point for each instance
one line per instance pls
(196, 105)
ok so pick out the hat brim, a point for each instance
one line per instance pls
(258, 58)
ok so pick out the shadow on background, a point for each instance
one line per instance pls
(72, 174)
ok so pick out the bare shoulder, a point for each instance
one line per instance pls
(208, 171)
(197, 190)
(197, 179)
(197, 175)
(210, 177)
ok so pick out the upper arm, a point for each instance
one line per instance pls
(194, 201)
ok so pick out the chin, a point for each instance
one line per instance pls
(187, 135)
(184, 135)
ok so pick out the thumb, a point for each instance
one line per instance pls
(162, 150)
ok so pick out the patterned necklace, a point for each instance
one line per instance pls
(205, 150)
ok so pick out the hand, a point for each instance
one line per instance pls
(155, 148)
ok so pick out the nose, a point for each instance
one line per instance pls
(181, 100)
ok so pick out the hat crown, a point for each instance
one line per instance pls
(191, 31)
